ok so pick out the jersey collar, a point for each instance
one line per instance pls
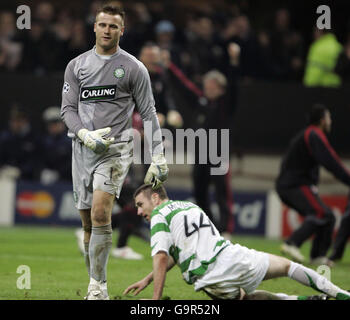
(161, 206)
(111, 57)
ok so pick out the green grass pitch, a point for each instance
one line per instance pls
(58, 270)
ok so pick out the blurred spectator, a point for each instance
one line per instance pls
(143, 14)
(45, 13)
(215, 105)
(40, 49)
(19, 145)
(244, 36)
(342, 67)
(150, 55)
(322, 59)
(202, 47)
(77, 43)
(56, 149)
(138, 28)
(165, 33)
(196, 39)
(286, 48)
(91, 15)
(63, 27)
(72, 36)
(167, 114)
(267, 63)
(10, 48)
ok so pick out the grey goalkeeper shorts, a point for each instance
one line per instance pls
(105, 172)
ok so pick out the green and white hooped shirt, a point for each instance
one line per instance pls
(184, 231)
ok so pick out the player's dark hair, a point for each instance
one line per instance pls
(111, 9)
(316, 114)
(148, 191)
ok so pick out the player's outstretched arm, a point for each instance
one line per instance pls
(137, 287)
(160, 266)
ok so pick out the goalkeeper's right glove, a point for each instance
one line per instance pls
(94, 139)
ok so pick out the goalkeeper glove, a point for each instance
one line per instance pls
(157, 172)
(94, 139)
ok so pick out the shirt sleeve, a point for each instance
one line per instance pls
(70, 97)
(161, 239)
(326, 156)
(143, 96)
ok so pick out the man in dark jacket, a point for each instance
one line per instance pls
(297, 186)
(215, 105)
(150, 55)
(56, 149)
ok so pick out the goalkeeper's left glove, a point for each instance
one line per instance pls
(157, 172)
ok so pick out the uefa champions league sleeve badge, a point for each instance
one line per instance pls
(66, 87)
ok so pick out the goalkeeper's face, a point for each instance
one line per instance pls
(108, 29)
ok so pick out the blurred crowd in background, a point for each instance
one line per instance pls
(196, 35)
(184, 43)
(32, 155)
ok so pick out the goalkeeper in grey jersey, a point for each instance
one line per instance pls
(101, 88)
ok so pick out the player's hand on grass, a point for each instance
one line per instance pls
(95, 140)
(157, 172)
(137, 287)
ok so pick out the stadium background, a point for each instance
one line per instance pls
(270, 110)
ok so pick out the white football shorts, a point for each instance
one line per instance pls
(235, 267)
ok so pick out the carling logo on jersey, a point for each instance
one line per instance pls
(98, 93)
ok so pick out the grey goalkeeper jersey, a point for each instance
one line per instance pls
(100, 93)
